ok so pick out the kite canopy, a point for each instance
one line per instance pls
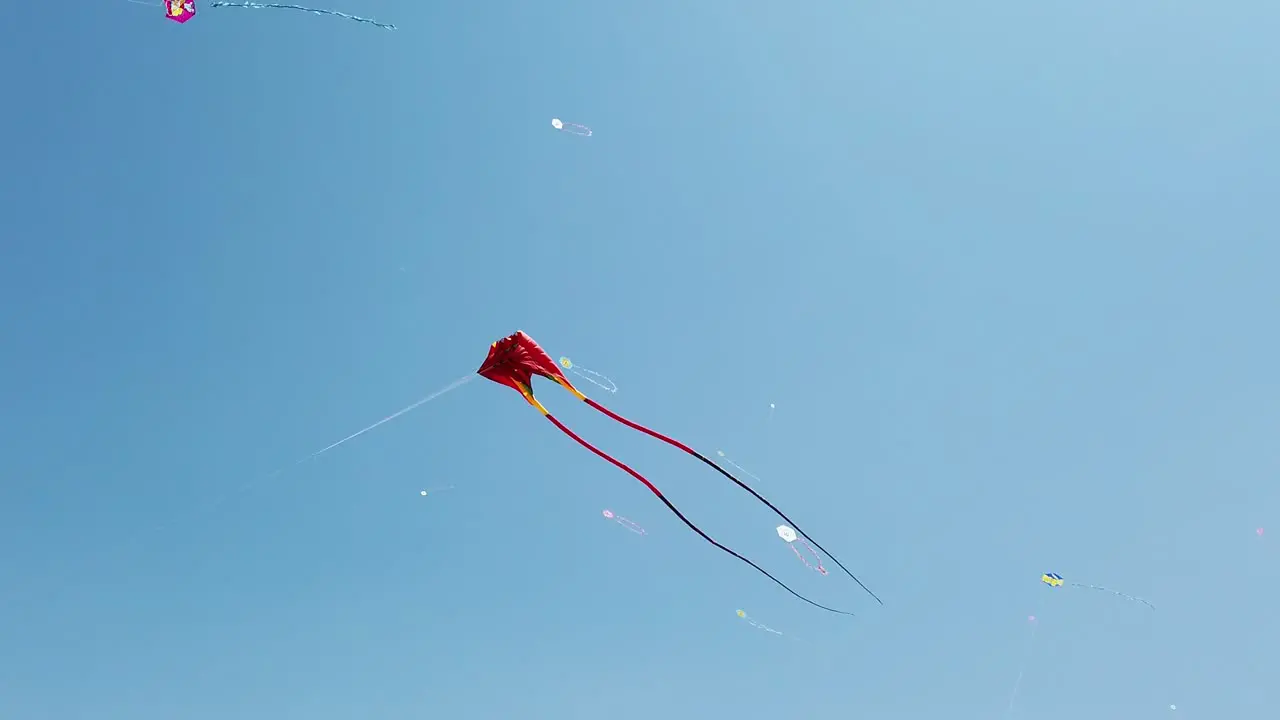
(515, 359)
(786, 533)
(180, 11)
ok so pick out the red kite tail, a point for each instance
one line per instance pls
(677, 444)
(653, 489)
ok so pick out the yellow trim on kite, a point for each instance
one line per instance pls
(528, 395)
(569, 386)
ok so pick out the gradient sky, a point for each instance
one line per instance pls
(1006, 269)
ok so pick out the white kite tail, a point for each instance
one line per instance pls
(739, 468)
(313, 11)
(762, 626)
(594, 378)
(633, 527)
(575, 129)
(1114, 592)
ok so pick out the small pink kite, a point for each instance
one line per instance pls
(183, 10)
(624, 522)
(1259, 532)
(180, 10)
(791, 538)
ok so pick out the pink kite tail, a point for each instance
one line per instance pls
(817, 559)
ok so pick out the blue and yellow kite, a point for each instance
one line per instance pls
(1054, 580)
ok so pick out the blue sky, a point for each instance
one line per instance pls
(1005, 269)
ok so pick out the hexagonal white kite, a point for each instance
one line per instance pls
(790, 537)
(571, 128)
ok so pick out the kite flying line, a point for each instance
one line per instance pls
(275, 473)
(407, 409)
(1026, 658)
(279, 471)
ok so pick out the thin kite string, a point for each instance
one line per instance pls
(1022, 667)
(448, 388)
(314, 11)
(281, 470)
(1026, 655)
(213, 506)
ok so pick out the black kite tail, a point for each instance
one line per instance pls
(653, 489)
(677, 444)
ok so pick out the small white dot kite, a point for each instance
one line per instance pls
(789, 536)
(571, 128)
(738, 467)
(609, 515)
(742, 614)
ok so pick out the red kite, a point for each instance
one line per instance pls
(514, 360)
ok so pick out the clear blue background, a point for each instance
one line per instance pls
(1006, 269)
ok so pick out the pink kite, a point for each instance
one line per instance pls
(180, 10)
(183, 10)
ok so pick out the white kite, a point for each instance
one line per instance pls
(789, 536)
(571, 128)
